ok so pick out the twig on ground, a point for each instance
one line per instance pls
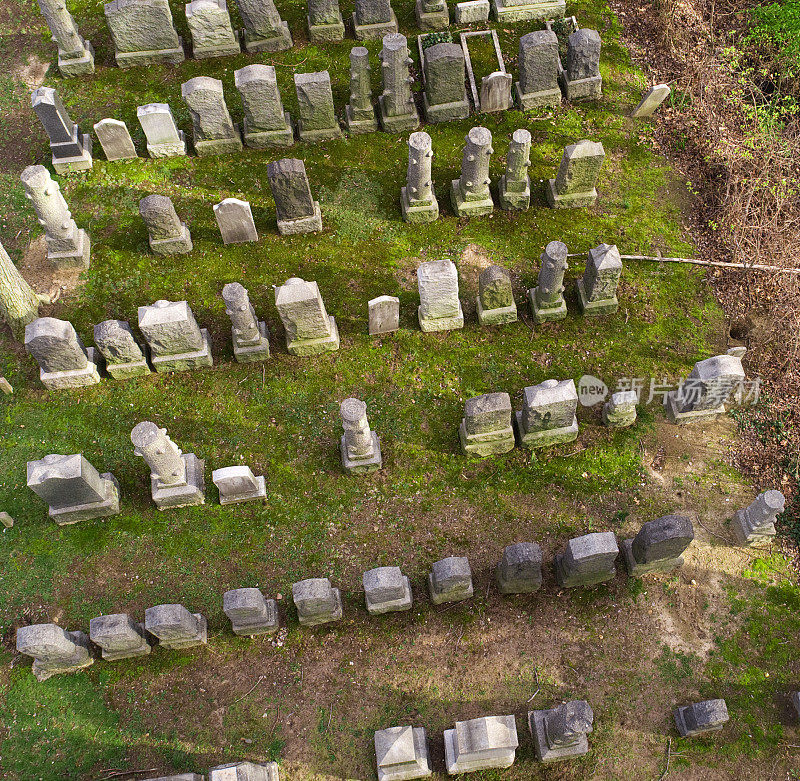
(252, 688)
(118, 773)
(533, 695)
(669, 754)
(330, 716)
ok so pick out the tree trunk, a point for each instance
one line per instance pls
(18, 303)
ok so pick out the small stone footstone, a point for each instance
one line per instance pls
(264, 30)
(520, 569)
(538, 71)
(310, 330)
(620, 410)
(397, 110)
(73, 489)
(296, 209)
(325, 22)
(175, 627)
(386, 590)
(244, 771)
(162, 134)
(486, 428)
(266, 124)
(176, 479)
(316, 115)
(235, 221)
(495, 93)
(658, 546)
(703, 394)
(54, 650)
(509, 11)
(701, 717)
(359, 446)
(214, 130)
(470, 195)
(359, 113)
(373, 19)
(212, 33)
(75, 54)
(71, 149)
(250, 612)
(176, 341)
(756, 523)
(143, 33)
(119, 637)
(115, 140)
(166, 234)
(547, 298)
(439, 307)
(650, 101)
(495, 301)
(587, 560)
(384, 315)
(481, 744)
(581, 79)
(402, 753)
(597, 288)
(450, 580)
(316, 601)
(515, 184)
(418, 202)
(548, 414)
(250, 335)
(238, 484)
(432, 14)
(560, 733)
(576, 180)
(445, 96)
(6, 520)
(123, 355)
(472, 12)
(63, 360)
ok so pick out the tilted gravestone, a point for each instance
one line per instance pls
(238, 484)
(115, 140)
(386, 590)
(316, 115)
(620, 410)
(54, 650)
(316, 601)
(560, 733)
(702, 396)
(432, 14)
(71, 150)
(373, 19)
(143, 33)
(296, 209)
(212, 33)
(538, 71)
(547, 298)
(250, 335)
(162, 134)
(75, 54)
(359, 113)
(515, 184)
(235, 221)
(384, 315)
(119, 637)
(587, 560)
(439, 307)
(401, 753)
(581, 79)
(470, 194)
(166, 234)
(495, 301)
(701, 717)
(396, 107)
(418, 202)
(520, 569)
(481, 744)
(325, 22)
(658, 546)
(575, 182)
(359, 446)
(250, 612)
(214, 130)
(486, 428)
(266, 124)
(63, 360)
(244, 771)
(264, 30)
(175, 626)
(176, 341)
(548, 414)
(450, 580)
(310, 330)
(756, 523)
(124, 356)
(597, 289)
(445, 96)
(651, 100)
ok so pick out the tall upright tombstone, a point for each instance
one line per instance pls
(176, 341)
(297, 211)
(574, 185)
(71, 149)
(316, 114)
(359, 113)
(143, 33)
(115, 140)
(310, 330)
(439, 306)
(212, 33)
(214, 130)
(581, 79)
(470, 194)
(506, 11)
(515, 184)
(384, 315)
(373, 19)
(250, 335)
(166, 234)
(19, 304)
(495, 300)
(445, 97)
(235, 221)
(63, 360)
(432, 15)
(325, 22)
(547, 298)
(124, 356)
(264, 30)
(54, 649)
(266, 124)
(548, 414)
(75, 54)
(538, 71)
(703, 394)
(597, 289)
(397, 110)
(162, 134)
(418, 202)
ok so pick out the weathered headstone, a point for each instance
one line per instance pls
(548, 414)
(75, 54)
(250, 612)
(68, 246)
(19, 304)
(373, 19)
(620, 410)
(386, 590)
(244, 771)
(212, 33)
(401, 753)
(470, 194)
(175, 626)
(250, 335)
(538, 71)
(176, 341)
(574, 185)
(143, 33)
(359, 113)
(439, 307)
(495, 92)
(63, 360)
(316, 601)
(418, 202)
(597, 289)
(316, 116)
(702, 396)
(450, 580)
(651, 100)
(701, 717)
(310, 330)
(73, 489)
(124, 356)
(71, 149)
(238, 484)
(560, 733)
(235, 221)
(658, 546)
(115, 140)
(486, 428)
(384, 315)
(481, 744)
(445, 96)
(54, 650)
(166, 234)
(506, 11)
(325, 22)
(587, 560)
(266, 124)
(581, 79)
(214, 130)
(359, 446)
(432, 14)
(495, 301)
(119, 637)
(520, 569)
(756, 523)
(176, 479)
(162, 134)
(297, 211)
(397, 110)
(547, 298)
(264, 30)
(515, 184)
(472, 12)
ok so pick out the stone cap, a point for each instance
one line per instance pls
(201, 83)
(254, 72)
(395, 41)
(164, 311)
(352, 410)
(420, 140)
(35, 176)
(395, 746)
(487, 403)
(706, 714)
(43, 640)
(718, 366)
(539, 38)
(286, 165)
(153, 108)
(521, 136)
(434, 270)
(306, 593)
(443, 51)
(623, 398)
(522, 553)
(452, 571)
(605, 257)
(385, 582)
(550, 392)
(591, 546)
(479, 136)
(584, 148)
(294, 290)
(242, 599)
(109, 626)
(773, 500)
(312, 78)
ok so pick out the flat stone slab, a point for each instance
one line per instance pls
(543, 752)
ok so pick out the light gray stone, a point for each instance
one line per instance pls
(250, 612)
(119, 637)
(575, 182)
(418, 202)
(63, 360)
(472, 12)
(75, 54)
(235, 221)
(701, 717)
(396, 107)
(359, 113)
(538, 71)
(54, 650)
(6, 520)
(470, 194)
(547, 298)
(316, 601)
(384, 315)
(486, 428)
(175, 627)
(520, 569)
(495, 94)
(295, 207)
(264, 30)
(162, 134)
(560, 733)
(266, 124)
(702, 396)
(325, 22)
(143, 33)
(445, 97)
(659, 545)
(244, 771)
(548, 414)
(651, 100)
(401, 753)
(597, 289)
(515, 184)
(179, 777)
(166, 234)
(386, 590)
(481, 744)
(238, 484)
(360, 447)
(309, 328)
(439, 307)
(250, 335)
(115, 140)
(509, 11)
(176, 341)
(212, 33)
(587, 560)
(620, 410)
(756, 522)
(373, 19)
(123, 355)
(495, 301)
(450, 580)
(214, 131)
(581, 79)
(71, 149)
(432, 14)
(316, 115)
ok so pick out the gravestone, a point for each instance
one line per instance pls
(486, 428)
(162, 134)
(581, 79)
(384, 315)
(495, 92)
(418, 202)
(701, 717)
(71, 150)
(481, 744)
(176, 342)
(316, 601)
(574, 185)
(445, 96)
(296, 209)
(6, 520)
(266, 124)
(123, 355)
(450, 580)
(509, 11)
(756, 523)
(175, 627)
(560, 733)
(705, 391)
(235, 221)
(658, 546)
(597, 289)
(620, 410)
(143, 33)
(63, 360)
(432, 14)
(587, 560)
(325, 22)
(470, 194)
(214, 130)
(401, 753)
(472, 12)
(520, 569)
(310, 330)
(495, 301)
(386, 590)
(264, 30)
(75, 54)
(439, 308)
(166, 234)
(244, 771)
(538, 71)
(373, 19)
(515, 184)
(73, 489)
(547, 298)
(359, 113)
(359, 446)
(68, 246)
(179, 777)
(548, 414)
(115, 140)
(176, 479)
(651, 100)
(250, 335)
(238, 484)
(119, 637)
(54, 650)
(316, 116)
(212, 33)
(250, 612)
(396, 108)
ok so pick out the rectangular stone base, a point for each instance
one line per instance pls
(569, 200)
(499, 316)
(483, 445)
(499, 759)
(279, 42)
(87, 512)
(400, 123)
(549, 98)
(75, 378)
(310, 224)
(321, 134)
(265, 626)
(325, 618)
(444, 112)
(259, 493)
(416, 768)
(254, 352)
(143, 649)
(684, 731)
(440, 599)
(184, 361)
(187, 494)
(565, 580)
(81, 162)
(77, 258)
(124, 371)
(392, 605)
(542, 314)
(603, 306)
(201, 638)
(326, 33)
(430, 324)
(175, 149)
(433, 20)
(153, 57)
(465, 208)
(359, 126)
(536, 721)
(45, 670)
(78, 66)
(325, 344)
(267, 139)
(219, 146)
(581, 89)
(208, 52)
(176, 245)
(537, 12)
(553, 436)
(420, 214)
(363, 465)
(636, 570)
(695, 416)
(514, 200)
(524, 586)
(374, 32)
(746, 535)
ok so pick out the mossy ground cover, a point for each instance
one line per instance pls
(319, 696)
